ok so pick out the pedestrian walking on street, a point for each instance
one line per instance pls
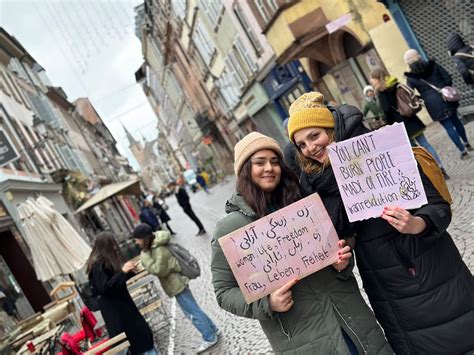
(418, 285)
(463, 57)
(323, 313)
(386, 87)
(429, 78)
(147, 216)
(202, 182)
(108, 280)
(372, 112)
(158, 260)
(161, 212)
(183, 200)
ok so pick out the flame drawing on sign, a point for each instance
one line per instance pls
(408, 189)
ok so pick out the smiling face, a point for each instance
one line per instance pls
(265, 170)
(312, 142)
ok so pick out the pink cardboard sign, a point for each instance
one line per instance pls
(290, 243)
(377, 169)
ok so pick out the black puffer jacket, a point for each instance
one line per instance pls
(430, 72)
(421, 291)
(463, 57)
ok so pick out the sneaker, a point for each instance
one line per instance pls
(201, 232)
(218, 333)
(468, 147)
(206, 345)
(445, 174)
(464, 155)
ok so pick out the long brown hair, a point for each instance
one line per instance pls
(379, 74)
(148, 242)
(311, 166)
(106, 252)
(287, 191)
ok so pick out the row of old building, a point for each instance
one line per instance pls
(58, 149)
(215, 70)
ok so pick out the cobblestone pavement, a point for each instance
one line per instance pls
(242, 335)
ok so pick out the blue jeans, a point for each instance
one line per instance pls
(200, 320)
(421, 140)
(151, 352)
(455, 129)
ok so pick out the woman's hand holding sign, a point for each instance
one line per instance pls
(403, 221)
(344, 254)
(281, 300)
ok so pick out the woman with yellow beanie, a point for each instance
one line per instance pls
(417, 283)
(323, 313)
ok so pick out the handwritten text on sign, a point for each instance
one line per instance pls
(377, 169)
(292, 242)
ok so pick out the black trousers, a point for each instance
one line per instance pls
(189, 211)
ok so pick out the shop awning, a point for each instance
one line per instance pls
(118, 188)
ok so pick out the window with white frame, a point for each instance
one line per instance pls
(266, 8)
(174, 90)
(213, 10)
(257, 46)
(228, 88)
(203, 42)
(179, 8)
(239, 64)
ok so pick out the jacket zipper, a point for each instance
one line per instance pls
(283, 328)
(352, 330)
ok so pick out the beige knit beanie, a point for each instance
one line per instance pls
(250, 144)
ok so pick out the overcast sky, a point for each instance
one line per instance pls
(89, 48)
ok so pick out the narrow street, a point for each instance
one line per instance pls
(242, 335)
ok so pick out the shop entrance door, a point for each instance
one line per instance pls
(22, 271)
(348, 82)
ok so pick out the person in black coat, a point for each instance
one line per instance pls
(428, 78)
(421, 291)
(289, 153)
(109, 283)
(463, 57)
(160, 211)
(183, 200)
(386, 87)
(147, 216)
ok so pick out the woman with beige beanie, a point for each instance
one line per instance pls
(323, 313)
(417, 283)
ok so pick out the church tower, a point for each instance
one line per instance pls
(136, 148)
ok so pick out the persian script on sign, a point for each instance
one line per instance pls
(292, 242)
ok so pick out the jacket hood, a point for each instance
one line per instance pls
(161, 238)
(421, 69)
(368, 88)
(238, 203)
(390, 81)
(454, 42)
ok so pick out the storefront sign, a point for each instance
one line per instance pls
(8, 152)
(290, 243)
(377, 169)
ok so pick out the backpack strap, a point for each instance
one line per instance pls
(464, 55)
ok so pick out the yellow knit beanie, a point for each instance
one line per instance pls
(309, 111)
(250, 144)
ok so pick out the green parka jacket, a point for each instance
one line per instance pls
(324, 302)
(160, 262)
